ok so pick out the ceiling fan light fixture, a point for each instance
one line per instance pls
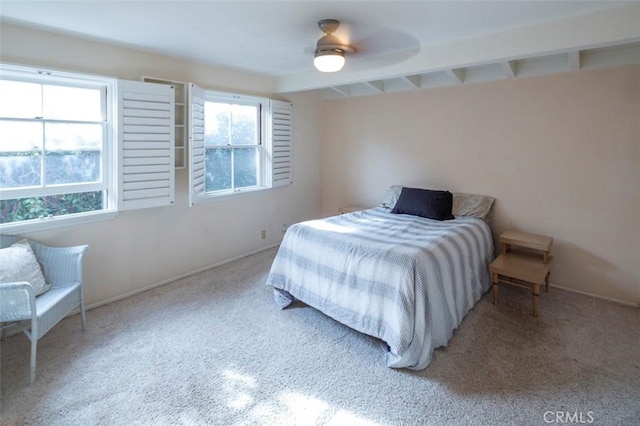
(330, 51)
(329, 60)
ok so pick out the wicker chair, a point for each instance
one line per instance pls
(62, 268)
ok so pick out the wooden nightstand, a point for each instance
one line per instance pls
(350, 209)
(528, 269)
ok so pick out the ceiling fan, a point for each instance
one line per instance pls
(329, 55)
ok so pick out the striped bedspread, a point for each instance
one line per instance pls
(406, 280)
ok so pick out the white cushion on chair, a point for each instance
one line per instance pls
(18, 263)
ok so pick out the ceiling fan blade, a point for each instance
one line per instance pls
(384, 42)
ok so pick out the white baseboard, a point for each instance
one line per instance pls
(16, 330)
(597, 296)
(172, 279)
(222, 262)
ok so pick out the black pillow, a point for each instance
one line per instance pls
(425, 202)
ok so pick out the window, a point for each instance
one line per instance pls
(64, 160)
(238, 144)
(233, 144)
(55, 153)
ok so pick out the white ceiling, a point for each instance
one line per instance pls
(402, 40)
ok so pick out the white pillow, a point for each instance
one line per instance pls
(18, 263)
(391, 197)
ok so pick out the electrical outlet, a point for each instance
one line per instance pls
(263, 234)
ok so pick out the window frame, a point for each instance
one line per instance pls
(109, 160)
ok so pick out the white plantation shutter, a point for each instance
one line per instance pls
(146, 138)
(196, 144)
(281, 143)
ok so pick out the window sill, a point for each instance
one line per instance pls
(45, 224)
(231, 195)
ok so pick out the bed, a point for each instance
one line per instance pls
(405, 279)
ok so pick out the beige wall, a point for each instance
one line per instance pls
(561, 154)
(143, 247)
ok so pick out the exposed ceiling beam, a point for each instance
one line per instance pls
(377, 86)
(509, 68)
(619, 55)
(574, 61)
(457, 76)
(412, 80)
(343, 90)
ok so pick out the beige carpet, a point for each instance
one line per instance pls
(212, 349)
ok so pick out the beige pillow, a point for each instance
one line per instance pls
(472, 205)
(18, 263)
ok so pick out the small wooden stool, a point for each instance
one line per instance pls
(524, 270)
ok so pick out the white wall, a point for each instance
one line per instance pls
(561, 154)
(143, 247)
